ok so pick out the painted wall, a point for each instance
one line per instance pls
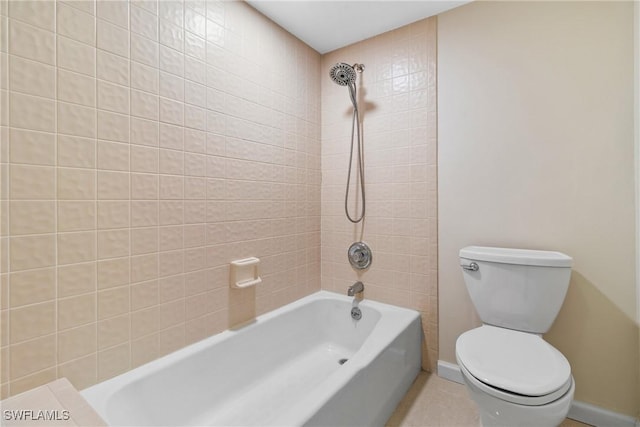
(398, 104)
(535, 128)
(144, 146)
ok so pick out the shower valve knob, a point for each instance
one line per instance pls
(360, 255)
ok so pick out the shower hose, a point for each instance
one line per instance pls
(355, 132)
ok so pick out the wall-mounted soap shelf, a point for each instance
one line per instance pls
(243, 273)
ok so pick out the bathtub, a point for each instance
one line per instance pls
(286, 368)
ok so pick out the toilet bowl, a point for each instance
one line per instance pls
(515, 377)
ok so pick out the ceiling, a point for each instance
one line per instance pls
(326, 25)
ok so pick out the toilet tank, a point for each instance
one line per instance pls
(518, 289)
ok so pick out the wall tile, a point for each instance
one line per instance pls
(74, 248)
(171, 86)
(114, 11)
(144, 213)
(171, 61)
(36, 13)
(144, 23)
(76, 184)
(76, 215)
(194, 46)
(171, 11)
(32, 356)
(113, 126)
(113, 185)
(171, 112)
(76, 342)
(75, 56)
(112, 38)
(113, 214)
(32, 112)
(144, 350)
(76, 152)
(113, 156)
(32, 217)
(144, 132)
(113, 302)
(76, 120)
(31, 182)
(112, 68)
(76, 279)
(113, 272)
(171, 35)
(35, 148)
(31, 77)
(144, 267)
(31, 42)
(144, 77)
(75, 24)
(144, 105)
(144, 50)
(113, 361)
(113, 97)
(76, 311)
(171, 136)
(144, 159)
(76, 88)
(195, 22)
(171, 162)
(113, 331)
(148, 5)
(144, 186)
(87, 6)
(32, 286)
(113, 243)
(195, 94)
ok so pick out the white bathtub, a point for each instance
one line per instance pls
(283, 369)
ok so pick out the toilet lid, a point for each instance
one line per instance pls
(514, 361)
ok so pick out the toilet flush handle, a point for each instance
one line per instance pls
(471, 267)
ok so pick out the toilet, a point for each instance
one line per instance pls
(515, 377)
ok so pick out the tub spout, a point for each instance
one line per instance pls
(356, 288)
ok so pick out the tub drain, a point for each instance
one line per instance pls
(342, 361)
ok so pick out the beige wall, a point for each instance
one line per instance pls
(398, 104)
(535, 128)
(144, 146)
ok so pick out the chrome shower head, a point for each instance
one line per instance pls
(342, 74)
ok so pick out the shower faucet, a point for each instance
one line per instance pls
(356, 288)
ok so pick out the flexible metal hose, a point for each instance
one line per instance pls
(355, 131)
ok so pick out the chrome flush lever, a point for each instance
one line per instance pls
(471, 267)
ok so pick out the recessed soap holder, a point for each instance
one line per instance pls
(243, 273)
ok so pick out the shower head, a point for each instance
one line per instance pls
(342, 74)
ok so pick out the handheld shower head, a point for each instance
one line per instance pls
(342, 74)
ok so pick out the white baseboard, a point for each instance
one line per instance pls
(450, 371)
(597, 416)
(579, 411)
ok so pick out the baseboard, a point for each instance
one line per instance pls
(579, 411)
(450, 371)
(597, 416)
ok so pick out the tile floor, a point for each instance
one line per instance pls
(434, 401)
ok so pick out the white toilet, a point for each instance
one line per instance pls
(515, 377)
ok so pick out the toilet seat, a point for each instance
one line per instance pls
(516, 366)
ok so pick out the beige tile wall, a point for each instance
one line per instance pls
(398, 102)
(144, 146)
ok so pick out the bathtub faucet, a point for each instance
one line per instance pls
(356, 288)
